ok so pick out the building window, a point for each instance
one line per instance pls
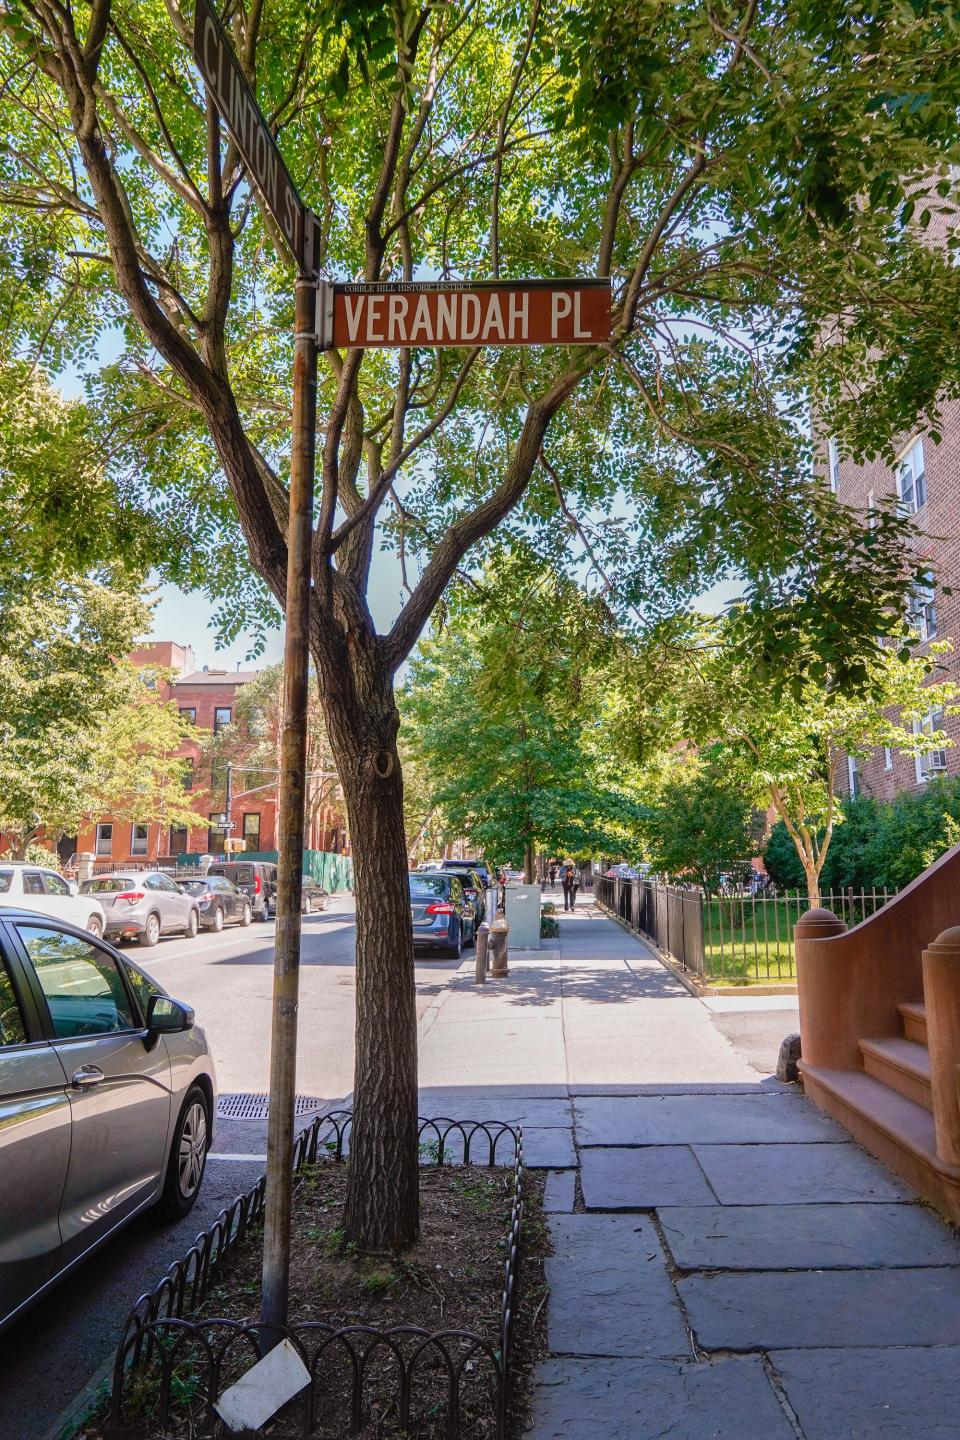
(853, 777)
(187, 773)
(934, 762)
(139, 835)
(179, 839)
(188, 713)
(911, 481)
(833, 464)
(149, 679)
(887, 758)
(922, 610)
(251, 831)
(221, 718)
(104, 839)
(216, 834)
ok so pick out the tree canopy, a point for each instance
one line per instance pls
(500, 719)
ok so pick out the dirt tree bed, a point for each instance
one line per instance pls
(452, 1279)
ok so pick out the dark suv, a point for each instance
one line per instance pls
(463, 867)
(257, 879)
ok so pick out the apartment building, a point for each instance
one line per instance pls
(926, 482)
(207, 698)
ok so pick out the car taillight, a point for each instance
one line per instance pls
(134, 896)
(438, 909)
(256, 884)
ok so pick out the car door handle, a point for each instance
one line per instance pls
(86, 1077)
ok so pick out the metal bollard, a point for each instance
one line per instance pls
(499, 931)
(483, 941)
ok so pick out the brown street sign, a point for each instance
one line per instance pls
(487, 312)
(248, 126)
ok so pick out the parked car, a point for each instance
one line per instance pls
(460, 867)
(143, 905)
(475, 891)
(33, 887)
(315, 898)
(443, 918)
(108, 1097)
(622, 872)
(218, 900)
(257, 879)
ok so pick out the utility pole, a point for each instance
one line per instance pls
(293, 791)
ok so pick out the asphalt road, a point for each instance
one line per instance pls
(49, 1356)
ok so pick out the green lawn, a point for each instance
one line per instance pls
(750, 941)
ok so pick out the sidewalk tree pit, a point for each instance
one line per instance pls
(676, 174)
(438, 1341)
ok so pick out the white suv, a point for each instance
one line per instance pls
(31, 887)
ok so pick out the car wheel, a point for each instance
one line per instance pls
(188, 1156)
(457, 948)
(218, 918)
(150, 933)
(193, 925)
(247, 915)
(307, 905)
(95, 926)
(471, 934)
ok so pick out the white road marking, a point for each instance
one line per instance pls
(249, 1159)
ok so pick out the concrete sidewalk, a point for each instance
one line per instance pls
(727, 1262)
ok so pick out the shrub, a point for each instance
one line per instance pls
(880, 843)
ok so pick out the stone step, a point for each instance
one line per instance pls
(897, 1130)
(914, 1015)
(902, 1064)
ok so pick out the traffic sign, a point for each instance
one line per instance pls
(465, 313)
(248, 126)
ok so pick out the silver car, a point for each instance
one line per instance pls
(107, 1101)
(142, 905)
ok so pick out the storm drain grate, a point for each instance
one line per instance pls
(256, 1107)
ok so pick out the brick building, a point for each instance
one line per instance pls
(926, 482)
(208, 699)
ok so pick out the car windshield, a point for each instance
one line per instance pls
(6, 880)
(194, 887)
(106, 885)
(428, 887)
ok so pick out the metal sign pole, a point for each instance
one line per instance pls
(293, 764)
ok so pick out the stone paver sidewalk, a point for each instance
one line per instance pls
(727, 1264)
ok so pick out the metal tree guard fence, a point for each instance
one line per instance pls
(191, 1360)
(732, 937)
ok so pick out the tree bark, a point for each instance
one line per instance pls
(813, 885)
(382, 1204)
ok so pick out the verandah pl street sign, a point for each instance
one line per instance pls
(467, 313)
(246, 122)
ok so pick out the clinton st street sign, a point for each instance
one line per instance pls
(466, 313)
(248, 126)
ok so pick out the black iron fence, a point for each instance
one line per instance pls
(179, 1366)
(736, 937)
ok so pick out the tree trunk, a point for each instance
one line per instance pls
(528, 871)
(382, 1211)
(812, 873)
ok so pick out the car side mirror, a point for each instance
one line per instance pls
(168, 1017)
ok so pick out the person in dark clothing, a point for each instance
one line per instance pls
(553, 876)
(569, 884)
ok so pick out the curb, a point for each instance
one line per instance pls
(83, 1404)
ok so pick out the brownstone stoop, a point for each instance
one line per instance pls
(880, 1028)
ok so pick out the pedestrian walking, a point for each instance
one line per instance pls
(574, 887)
(568, 882)
(553, 877)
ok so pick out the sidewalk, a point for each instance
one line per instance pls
(727, 1262)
